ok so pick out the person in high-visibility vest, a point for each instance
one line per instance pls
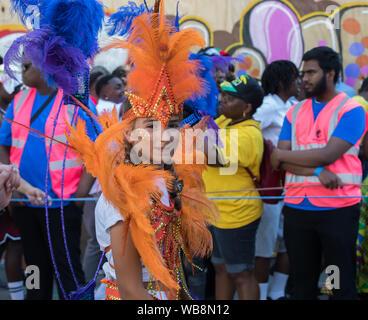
(29, 153)
(319, 147)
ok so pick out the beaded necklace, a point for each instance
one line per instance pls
(166, 222)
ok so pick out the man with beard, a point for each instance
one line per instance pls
(319, 147)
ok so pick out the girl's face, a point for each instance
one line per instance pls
(153, 143)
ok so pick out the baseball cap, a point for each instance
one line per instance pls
(245, 88)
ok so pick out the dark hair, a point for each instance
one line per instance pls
(364, 86)
(277, 72)
(256, 98)
(1, 60)
(95, 73)
(99, 69)
(103, 81)
(327, 59)
(254, 94)
(120, 72)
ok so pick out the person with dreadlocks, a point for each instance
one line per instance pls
(279, 81)
(152, 207)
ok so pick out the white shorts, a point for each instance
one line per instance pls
(270, 231)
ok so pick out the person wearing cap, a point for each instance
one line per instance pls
(234, 232)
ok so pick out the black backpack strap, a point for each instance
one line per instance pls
(46, 103)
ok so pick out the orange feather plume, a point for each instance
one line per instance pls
(162, 74)
(157, 52)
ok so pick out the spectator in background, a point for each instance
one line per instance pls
(9, 87)
(318, 147)
(362, 96)
(9, 235)
(234, 232)
(110, 92)
(10, 241)
(122, 73)
(362, 242)
(95, 74)
(37, 108)
(92, 253)
(279, 81)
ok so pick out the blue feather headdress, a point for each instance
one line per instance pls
(207, 104)
(25, 8)
(120, 22)
(67, 37)
(209, 101)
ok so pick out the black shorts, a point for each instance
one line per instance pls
(235, 247)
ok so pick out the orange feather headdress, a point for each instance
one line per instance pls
(162, 77)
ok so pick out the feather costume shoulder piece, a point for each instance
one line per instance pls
(162, 78)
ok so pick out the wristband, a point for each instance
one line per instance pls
(318, 171)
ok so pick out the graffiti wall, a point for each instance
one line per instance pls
(263, 31)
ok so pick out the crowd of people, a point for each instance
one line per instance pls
(260, 250)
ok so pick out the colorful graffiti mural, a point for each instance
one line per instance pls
(274, 29)
(267, 30)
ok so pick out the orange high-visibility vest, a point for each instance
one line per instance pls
(308, 134)
(23, 104)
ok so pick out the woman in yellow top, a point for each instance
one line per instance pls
(235, 230)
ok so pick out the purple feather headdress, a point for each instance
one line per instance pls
(57, 60)
(222, 63)
(67, 37)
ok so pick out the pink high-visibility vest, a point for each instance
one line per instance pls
(23, 104)
(308, 134)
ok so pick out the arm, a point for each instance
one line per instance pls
(334, 150)
(85, 185)
(327, 178)
(349, 130)
(365, 147)
(128, 268)
(36, 196)
(295, 169)
(4, 154)
(212, 149)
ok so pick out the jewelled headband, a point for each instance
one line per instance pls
(162, 104)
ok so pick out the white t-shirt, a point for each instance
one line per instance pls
(9, 83)
(103, 105)
(106, 216)
(271, 115)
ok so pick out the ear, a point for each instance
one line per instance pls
(248, 109)
(331, 75)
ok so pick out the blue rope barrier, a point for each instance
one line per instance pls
(215, 198)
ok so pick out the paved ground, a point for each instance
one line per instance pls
(4, 295)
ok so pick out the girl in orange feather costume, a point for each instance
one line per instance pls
(149, 214)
